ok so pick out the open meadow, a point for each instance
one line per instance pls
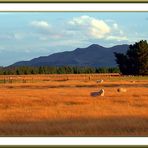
(62, 105)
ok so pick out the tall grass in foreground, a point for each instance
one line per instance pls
(56, 106)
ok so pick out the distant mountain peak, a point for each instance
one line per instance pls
(93, 55)
(95, 46)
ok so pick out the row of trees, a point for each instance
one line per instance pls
(134, 62)
(24, 70)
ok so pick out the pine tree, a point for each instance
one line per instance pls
(135, 61)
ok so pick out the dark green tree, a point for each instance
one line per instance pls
(135, 61)
(41, 70)
(17, 72)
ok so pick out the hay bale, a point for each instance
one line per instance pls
(100, 81)
(98, 93)
(121, 90)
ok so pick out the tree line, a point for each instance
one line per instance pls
(133, 62)
(26, 70)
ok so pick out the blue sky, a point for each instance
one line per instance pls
(26, 35)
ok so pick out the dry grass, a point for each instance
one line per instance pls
(53, 105)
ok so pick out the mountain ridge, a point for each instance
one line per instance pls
(94, 55)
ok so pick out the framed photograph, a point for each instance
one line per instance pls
(74, 73)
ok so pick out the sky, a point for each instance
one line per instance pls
(26, 35)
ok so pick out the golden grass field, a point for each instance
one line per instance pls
(61, 105)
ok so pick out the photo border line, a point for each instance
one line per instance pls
(73, 1)
(73, 146)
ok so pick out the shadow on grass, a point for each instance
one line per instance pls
(125, 85)
(75, 86)
(105, 126)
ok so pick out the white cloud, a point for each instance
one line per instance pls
(41, 24)
(121, 32)
(94, 27)
(99, 28)
(82, 28)
(117, 30)
(118, 38)
(18, 35)
(43, 30)
(115, 25)
(80, 20)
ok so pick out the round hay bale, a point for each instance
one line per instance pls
(122, 90)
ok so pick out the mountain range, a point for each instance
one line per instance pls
(93, 55)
